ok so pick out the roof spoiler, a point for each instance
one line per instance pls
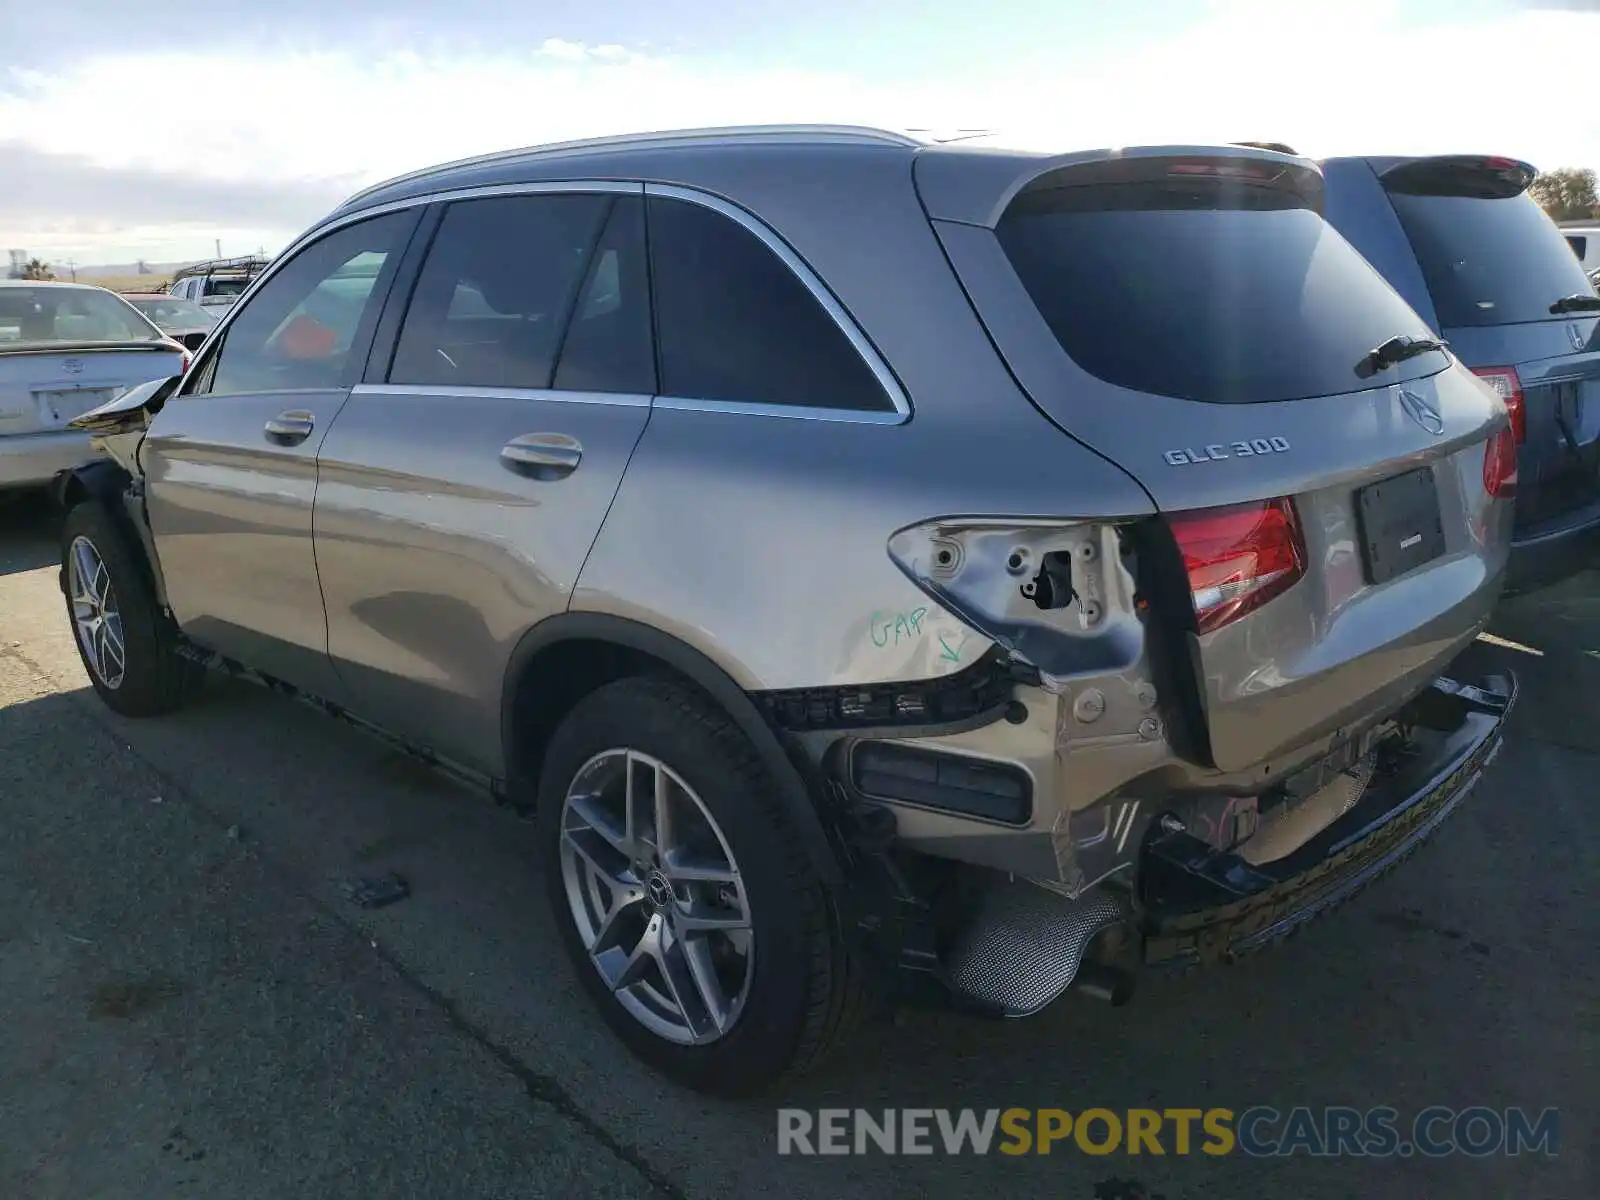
(975, 187)
(1482, 176)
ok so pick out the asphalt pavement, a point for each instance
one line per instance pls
(190, 1005)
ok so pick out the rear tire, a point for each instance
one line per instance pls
(128, 647)
(782, 990)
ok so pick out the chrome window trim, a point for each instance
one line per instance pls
(819, 292)
(900, 413)
(468, 392)
(794, 412)
(334, 224)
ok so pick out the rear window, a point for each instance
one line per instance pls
(1489, 261)
(39, 317)
(225, 287)
(1218, 295)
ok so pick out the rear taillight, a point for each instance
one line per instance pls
(183, 363)
(1238, 557)
(1508, 386)
(1500, 465)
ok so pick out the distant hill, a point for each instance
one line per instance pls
(128, 270)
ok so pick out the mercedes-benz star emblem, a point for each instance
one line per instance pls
(1421, 410)
(658, 889)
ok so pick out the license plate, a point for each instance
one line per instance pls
(63, 406)
(1400, 524)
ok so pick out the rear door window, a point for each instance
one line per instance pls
(496, 290)
(735, 324)
(1489, 261)
(1228, 296)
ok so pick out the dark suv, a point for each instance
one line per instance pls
(1460, 238)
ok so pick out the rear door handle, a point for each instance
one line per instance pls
(544, 456)
(290, 428)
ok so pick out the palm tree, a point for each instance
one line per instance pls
(35, 269)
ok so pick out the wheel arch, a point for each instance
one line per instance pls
(100, 479)
(107, 483)
(578, 652)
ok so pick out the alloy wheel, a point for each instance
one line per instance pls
(656, 896)
(95, 614)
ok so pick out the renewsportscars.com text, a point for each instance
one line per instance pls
(1260, 1131)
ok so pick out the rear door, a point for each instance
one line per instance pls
(1194, 319)
(231, 461)
(466, 479)
(1516, 306)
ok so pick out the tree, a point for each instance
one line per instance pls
(1567, 193)
(37, 270)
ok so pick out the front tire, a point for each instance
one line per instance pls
(691, 911)
(128, 646)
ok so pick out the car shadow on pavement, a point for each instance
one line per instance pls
(29, 526)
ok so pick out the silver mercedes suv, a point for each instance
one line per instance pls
(883, 570)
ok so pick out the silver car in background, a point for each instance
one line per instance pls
(66, 348)
(880, 567)
(184, 321)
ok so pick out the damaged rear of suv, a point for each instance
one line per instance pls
(1229, 714)
(981, 572)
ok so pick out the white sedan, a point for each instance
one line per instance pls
(66, 348)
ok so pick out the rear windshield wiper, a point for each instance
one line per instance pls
(1577, 302)
(1396, 350)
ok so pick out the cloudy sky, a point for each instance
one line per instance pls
(133, 131)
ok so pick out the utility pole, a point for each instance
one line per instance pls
(72, 265)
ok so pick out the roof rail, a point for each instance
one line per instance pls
(834, 134)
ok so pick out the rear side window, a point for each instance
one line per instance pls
(1579, 244)
(495, 290)
(734, 323)
(1206, 294)
(1489, 261)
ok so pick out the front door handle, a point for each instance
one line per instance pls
(290, 428)
(544, 456)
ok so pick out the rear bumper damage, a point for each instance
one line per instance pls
(1202, 905)
(1019, 945)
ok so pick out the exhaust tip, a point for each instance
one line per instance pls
(1100, 981)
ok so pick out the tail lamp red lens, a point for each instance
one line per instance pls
(1500, 465)
(1508, 386)
(1238, 557)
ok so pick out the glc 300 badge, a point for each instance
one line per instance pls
(1217, 451)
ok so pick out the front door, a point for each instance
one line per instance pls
(463, 485)
(231, 461)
